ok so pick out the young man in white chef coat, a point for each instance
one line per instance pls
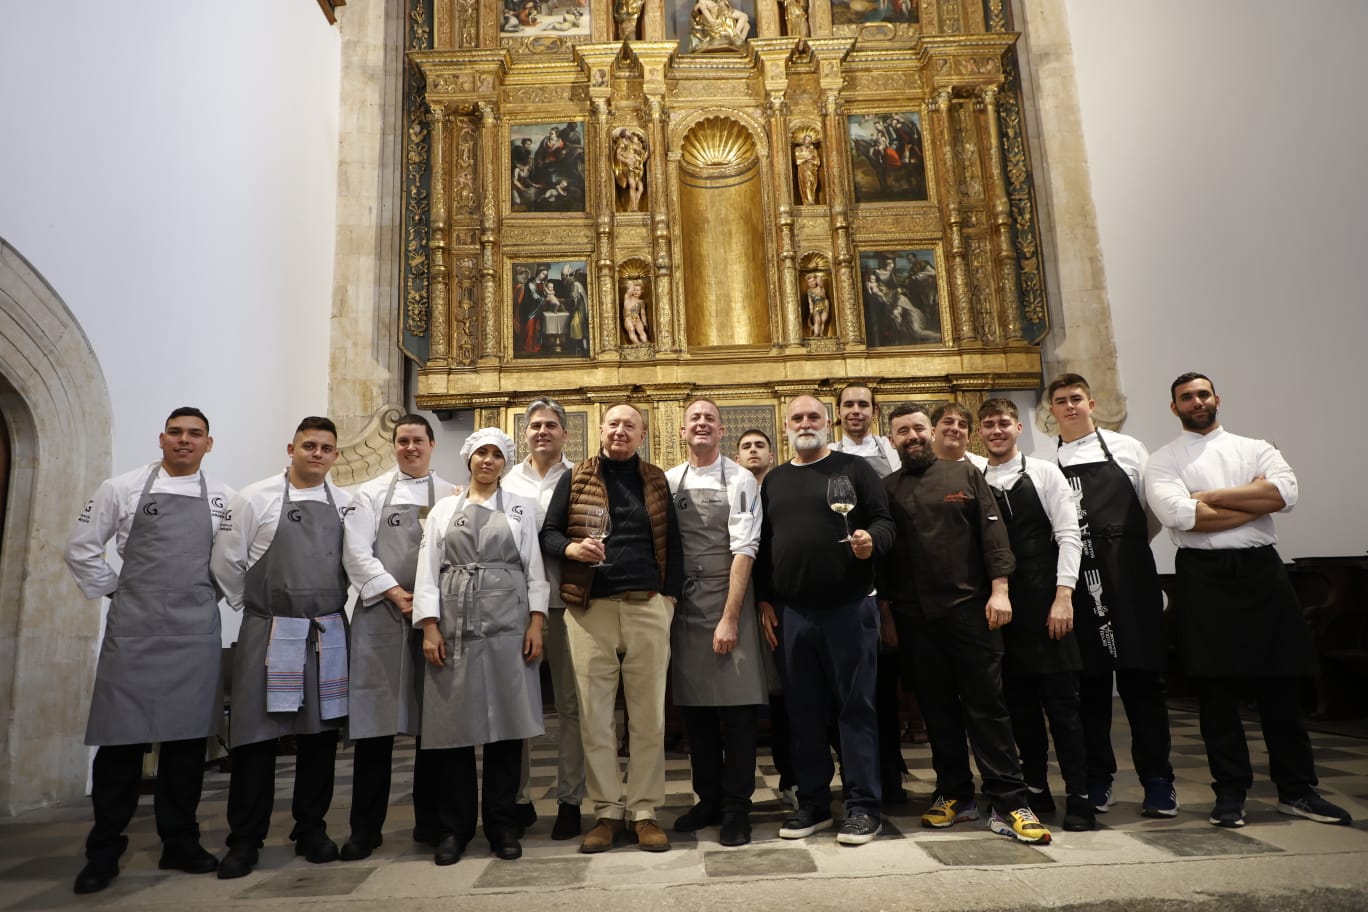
(280, 558)
(158, 675)
(1240, 627)
(385, 652)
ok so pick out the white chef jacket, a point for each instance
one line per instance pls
(363, 523)
(871, 445)
(249, 527)
(1129, 453)
(743, 521)
(110, 513)
(521, 513)
(1203, 462)
(1057, 498)
(524, 480)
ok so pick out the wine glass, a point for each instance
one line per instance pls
(600, 524)
(841, 497)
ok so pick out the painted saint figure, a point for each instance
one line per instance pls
(627, 12)
(809, 163)
(634, 313)
(819, 308)
(629, 164)
(716, 24)
(796, 18)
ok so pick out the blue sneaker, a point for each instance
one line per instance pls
(1314, 807)
(1161, 799)
(1100, 794)
(1228, 812)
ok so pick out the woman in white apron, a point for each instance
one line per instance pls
(480, 599)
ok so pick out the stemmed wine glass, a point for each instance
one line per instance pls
(841, 497)
(600, 524)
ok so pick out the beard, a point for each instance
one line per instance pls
(1198, 423)
(807, 441)
(918, 459)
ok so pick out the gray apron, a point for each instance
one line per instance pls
(300, 576)
(485, 692)
(701, 677)
(381, 643)
(158, 674)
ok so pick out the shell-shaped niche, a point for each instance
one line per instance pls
(717, 144)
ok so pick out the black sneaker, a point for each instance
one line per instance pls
(804, 822)
(95, 876)
(1039, 799)
(1079, 814)
(1314, 807)
(569, 823)
(858, 829)
(1228, 812)
(736, 828)
(1161, 799)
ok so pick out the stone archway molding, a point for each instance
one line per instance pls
(55, 398)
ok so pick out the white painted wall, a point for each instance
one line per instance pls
(1226, 142)
(171, 169)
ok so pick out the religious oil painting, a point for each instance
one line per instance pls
(858, 12)
(547, 166)
(550, 309)
(887, 162)
(901, 297)
(545, 18)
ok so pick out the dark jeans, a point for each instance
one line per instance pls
(458, 789)
(1142, 695)
(892, 767)
(780, 743)
(829, 662)
(114, 794)
(1290, 764)
(958, 664)
(251, 788)
(1057, 695)
(722, 754)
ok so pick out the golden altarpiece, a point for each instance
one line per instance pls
(745, 199)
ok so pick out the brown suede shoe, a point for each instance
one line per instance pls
(650, 837)
(601, 837)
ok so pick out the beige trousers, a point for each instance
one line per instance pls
(640, 629)
(570, 750)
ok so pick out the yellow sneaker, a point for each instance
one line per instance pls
(945, 812)
(1022, 825)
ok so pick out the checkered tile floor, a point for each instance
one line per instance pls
(40, 852)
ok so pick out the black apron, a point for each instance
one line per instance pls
(1027, 646)
(299, 576)
(1238, 616)
(1118, 603)
(386, 652)
(158, 674)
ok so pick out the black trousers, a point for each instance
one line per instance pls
(892, 767)
(780, 744)
(1031, 699)
(1142, 695)
(1290, 764)
(373, 762)
(722, 754)
(457, 788)
(115, 778)
(829, 664)
(958, 664)
(251, 788)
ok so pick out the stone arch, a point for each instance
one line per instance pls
(55, 398)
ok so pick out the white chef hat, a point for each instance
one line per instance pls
(486, 435)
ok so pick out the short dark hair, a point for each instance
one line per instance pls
(546, 403)
(908, 408)
(855, 384)
(1187, 378)
(756, 432)
(317, 423)
(999, 406)
(187, 411)
(951, 408)
(411, 418)
(1064, 381)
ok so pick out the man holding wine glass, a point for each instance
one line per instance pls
(813, 576)
(621, 573)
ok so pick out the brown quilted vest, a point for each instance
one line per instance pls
(587, 490)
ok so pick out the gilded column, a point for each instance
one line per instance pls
(489, 230)
(660, 228)
(1008, 294)
(848, 300)
(954, 221)
(789, 332)
(601, 150)
(439, 305)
